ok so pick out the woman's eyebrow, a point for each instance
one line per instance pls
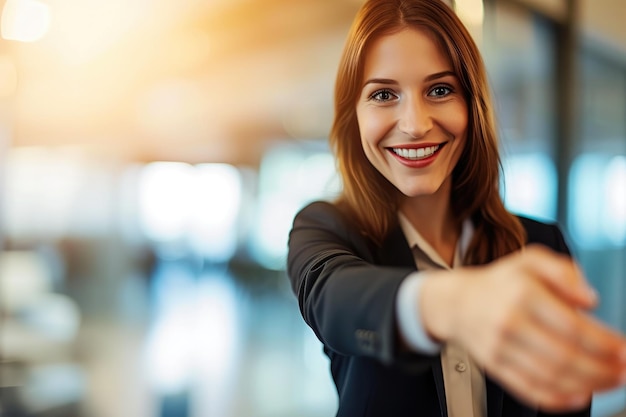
(438, 75)
(429, 78)
(379, 81)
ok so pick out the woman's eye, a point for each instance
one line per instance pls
(383, 95)
(440, 91)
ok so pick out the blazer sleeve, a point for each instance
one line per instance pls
(346, 299)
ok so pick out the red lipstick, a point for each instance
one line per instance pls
(417, 155)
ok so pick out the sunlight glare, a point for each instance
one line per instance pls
(470, 11)
(615, 200)
(25, 20)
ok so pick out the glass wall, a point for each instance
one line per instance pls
(521, 52)
(597, 185)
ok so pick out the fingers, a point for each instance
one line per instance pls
(560, 273)
(558, 355)
(524, 385)
(576, 328)
(530, 373)
(522, 320)
(517, 375)
(567, 361)
(600, 340)
(535, 338)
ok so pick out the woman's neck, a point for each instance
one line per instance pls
(431, 215)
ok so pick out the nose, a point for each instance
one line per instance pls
(415, 119)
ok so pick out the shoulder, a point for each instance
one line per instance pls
(545, 233)
(325, 221)
(320, 212)
(328, 216)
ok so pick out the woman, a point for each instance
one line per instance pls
(429, 297)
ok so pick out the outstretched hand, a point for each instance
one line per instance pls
(523, 319)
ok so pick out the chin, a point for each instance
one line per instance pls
(419, 188)
(418, 192)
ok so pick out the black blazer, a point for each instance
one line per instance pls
(346, 287)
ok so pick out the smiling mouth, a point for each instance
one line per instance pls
(416, 154)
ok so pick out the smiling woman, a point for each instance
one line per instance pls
(429, 296)
(411, 106)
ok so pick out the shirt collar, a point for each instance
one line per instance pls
(415, 240)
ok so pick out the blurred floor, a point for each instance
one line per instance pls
(212, 347)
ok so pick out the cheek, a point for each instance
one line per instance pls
(367, 132)
(462, 126)
(458, 124)
(458, 148)
(373, 125)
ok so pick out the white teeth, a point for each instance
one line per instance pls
(415, 154)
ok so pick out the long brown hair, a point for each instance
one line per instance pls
(368, 197)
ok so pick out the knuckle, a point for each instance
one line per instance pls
(563, 363)
(575, 329)
(496, 355)
(504, 328)
(535, 249)
(522, 290)
(552, 401)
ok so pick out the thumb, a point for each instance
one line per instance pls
(560, 274)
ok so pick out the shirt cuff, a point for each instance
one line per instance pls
(409, 319)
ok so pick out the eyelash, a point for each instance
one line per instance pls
(376, 93)
(449, 89)
(381, 91)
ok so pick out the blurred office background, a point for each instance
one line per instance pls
(153, 154)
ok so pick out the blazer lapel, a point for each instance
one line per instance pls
(395, 250)
(441, 389)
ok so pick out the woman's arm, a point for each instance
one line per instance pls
(345, 298)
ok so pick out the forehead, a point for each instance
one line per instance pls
(410, 50)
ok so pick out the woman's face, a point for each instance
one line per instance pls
(412, 113)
